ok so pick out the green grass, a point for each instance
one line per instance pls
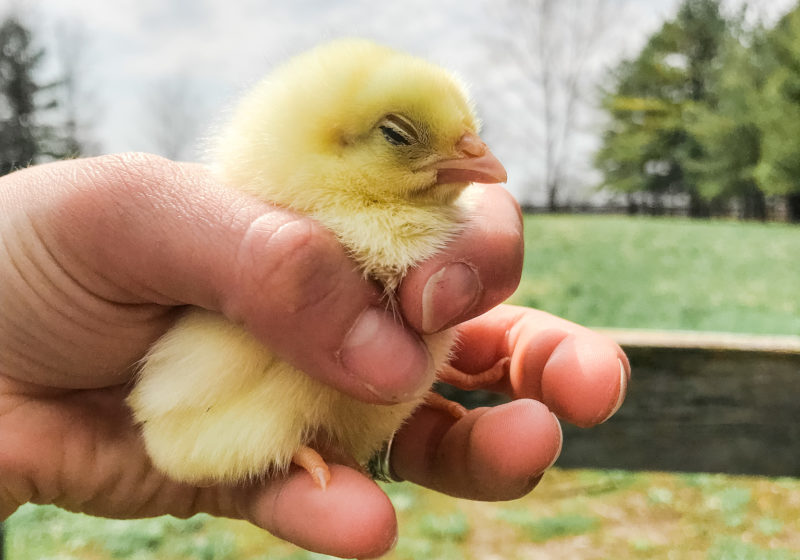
(580, 514)
(660, 273)
(452, 526)
(541, 529)
(734, 549)
(37, 532)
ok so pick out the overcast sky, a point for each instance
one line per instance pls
(221, 46)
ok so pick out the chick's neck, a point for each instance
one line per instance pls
(386, 237)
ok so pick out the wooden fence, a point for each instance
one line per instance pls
(697, 402)
(700, 402)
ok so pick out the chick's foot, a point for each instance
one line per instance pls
(473, 381)
(467, 382)
(438, 402)
(313, 463)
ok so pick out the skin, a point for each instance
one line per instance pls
(99, 255)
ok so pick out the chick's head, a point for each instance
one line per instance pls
(357, 120)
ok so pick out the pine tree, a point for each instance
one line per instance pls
(730, 130)
(29, 131)
(778, 172)
(19, 145)
(649, 146)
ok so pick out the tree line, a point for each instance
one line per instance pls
(37, 117)
(708, 111)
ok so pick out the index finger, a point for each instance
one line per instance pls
(581, 375)
(550, 366)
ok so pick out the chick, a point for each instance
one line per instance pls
(378, 147)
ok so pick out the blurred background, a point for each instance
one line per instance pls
(655, 146)
(566, 89)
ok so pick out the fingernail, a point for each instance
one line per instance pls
(447, 295)
(623, 390)
(560, 443)
(389, 360)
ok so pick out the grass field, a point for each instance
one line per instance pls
(610, 271)
(599, 271)
(573, 515)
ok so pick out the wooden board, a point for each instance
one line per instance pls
(699, 402)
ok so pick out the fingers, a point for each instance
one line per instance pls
(125, 232)
(580, 375)
(478, 270)
(490, 454)
(501, 453)
(299, 292)
(351, 518)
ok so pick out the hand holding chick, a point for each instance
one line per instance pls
(111, 235)
(98, 256)
(378, 147)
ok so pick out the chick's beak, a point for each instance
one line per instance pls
(474, 164)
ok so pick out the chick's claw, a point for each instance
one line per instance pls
(471, 382)
(313, 463)
(438, 402)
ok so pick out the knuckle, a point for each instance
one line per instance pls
(292, 257)
(499, 261)
(513, 256)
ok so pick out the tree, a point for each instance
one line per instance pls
(639, 152)
(19, 133)
(29, 131)
(730, 131)
(173, 117)
(551, 42)
(778, 172)
(77, 104)
(649, 144)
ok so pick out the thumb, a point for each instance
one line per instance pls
(139, 229)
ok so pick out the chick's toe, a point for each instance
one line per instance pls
(313, 463)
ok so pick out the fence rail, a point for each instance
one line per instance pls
(700, 402)
(697, 402)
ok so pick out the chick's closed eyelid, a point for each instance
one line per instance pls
(402, 125)
(394, 136)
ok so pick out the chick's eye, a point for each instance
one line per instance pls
(398, 130)
(394, 137)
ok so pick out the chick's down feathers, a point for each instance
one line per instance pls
(377, 146)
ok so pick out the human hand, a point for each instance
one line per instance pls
(548, 367)
(99, 255)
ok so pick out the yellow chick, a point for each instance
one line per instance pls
(378, 147)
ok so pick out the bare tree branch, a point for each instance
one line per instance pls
(173, 117)
(552, 43)
(77, 103)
